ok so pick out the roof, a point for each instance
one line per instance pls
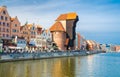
(67, 16)
(29, 25)
(2, 8)
(12, 19)
(57, 27)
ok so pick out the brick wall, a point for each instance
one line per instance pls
(59, 38)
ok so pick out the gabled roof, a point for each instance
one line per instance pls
(2, 8)
(67, 16)
(14, 19)
(57, 27)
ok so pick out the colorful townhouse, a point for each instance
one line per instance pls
(43, 41)
(15, 27)
(4, 23)
(9, 27)
(25, 33)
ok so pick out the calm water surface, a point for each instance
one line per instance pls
(99, 65)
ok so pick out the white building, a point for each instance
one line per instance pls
(42, 41)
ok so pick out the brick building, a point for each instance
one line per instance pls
(25, 33)
(33, 30)
(4, 23)
(63, 31)
(15, 27)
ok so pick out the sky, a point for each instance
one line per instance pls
(99, 20)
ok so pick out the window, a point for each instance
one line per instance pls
(14, 30)
(7, 24)
(33, 28)
(2, 17)
(4, 12)
(3, 35)
(7, 30)
(15, 25)
(5, 18)
(3, 23)
(24, 42)
(18, 41)
(7, 35)
(3, 29)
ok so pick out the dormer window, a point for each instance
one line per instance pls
(4, 12)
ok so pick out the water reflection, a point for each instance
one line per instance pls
(100, 65)
(59, 67)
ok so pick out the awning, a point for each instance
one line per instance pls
(11, 47)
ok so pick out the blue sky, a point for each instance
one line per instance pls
(99, 20)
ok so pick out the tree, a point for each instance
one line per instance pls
(54, 46)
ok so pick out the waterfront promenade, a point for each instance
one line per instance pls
(6, 57)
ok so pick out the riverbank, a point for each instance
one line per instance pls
(42, 55)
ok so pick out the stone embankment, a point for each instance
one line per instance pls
(42, 55)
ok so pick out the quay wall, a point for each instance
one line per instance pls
(43, 55)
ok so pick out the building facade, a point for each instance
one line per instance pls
(4, 23)
(25, 33)
(33, 29)
(63, 31)
(21, 42)
(15, 27)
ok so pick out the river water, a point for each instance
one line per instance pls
(98, 65)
